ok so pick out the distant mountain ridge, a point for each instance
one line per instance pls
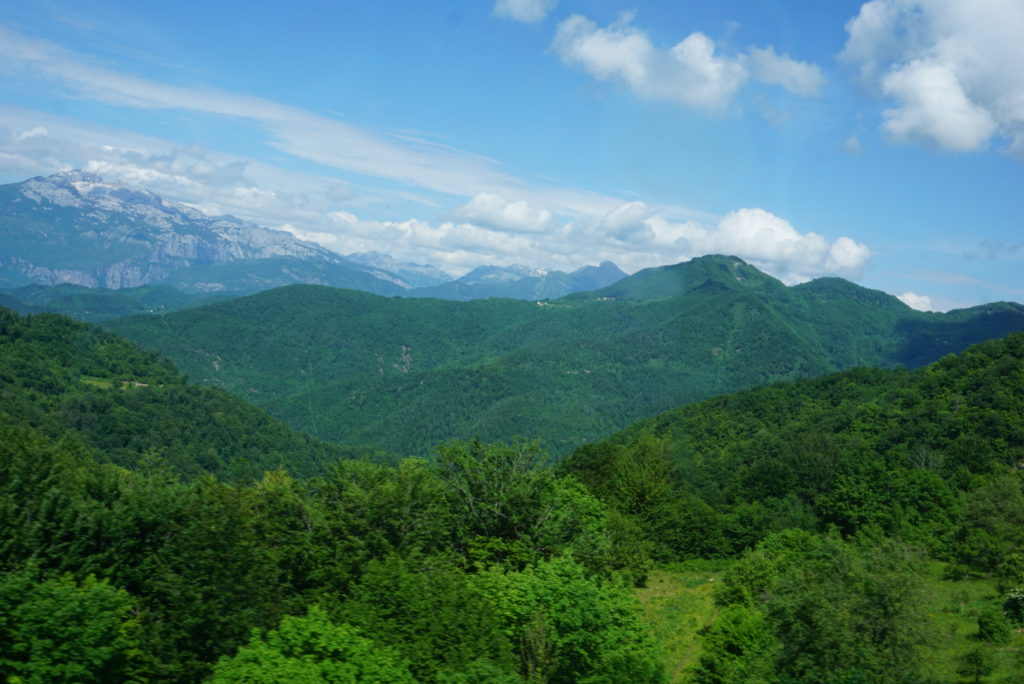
(416, 275)
(523, 282)
(74, 228)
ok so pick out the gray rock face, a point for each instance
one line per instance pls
(416, 275)
(73, 227)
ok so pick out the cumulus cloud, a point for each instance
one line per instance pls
(767, 241)
(635, 235)
(916, 301)
(627, 223)
(527, 11)
(954, 71)
(774, 243)
(455, 247)
(690, 73)
(493, 211)
(933, 105)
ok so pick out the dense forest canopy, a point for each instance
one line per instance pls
(403, 374)
(78, 383)
(864, 526)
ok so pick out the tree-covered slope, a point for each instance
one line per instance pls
(99, 304)
(867, 449)
(73, 380)
(401, 374)
(863, 527)
(875, 519)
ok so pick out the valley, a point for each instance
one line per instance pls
(512, 342)
(402, 374)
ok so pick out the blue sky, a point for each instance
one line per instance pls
(880, 141)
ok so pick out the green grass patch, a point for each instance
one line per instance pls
(952, 608)
(676, 605)
(100, 383)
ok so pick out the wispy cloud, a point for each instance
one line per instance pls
(410, 160)
(471, 210)
(527, 11)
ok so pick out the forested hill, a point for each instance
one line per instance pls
(863, 527)
(404, 374)
(77, 382)
(97, 304)
(909, 454)
(878, 516)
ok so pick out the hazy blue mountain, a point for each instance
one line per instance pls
(99, 304)
(522, 282)
(593, 277)
(416, 275)
(74, 228)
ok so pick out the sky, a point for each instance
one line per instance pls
(879, 141)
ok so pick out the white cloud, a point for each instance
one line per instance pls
(690, 73)
(636, 236)
(627, 223)
(769, 242)
(916, 301)
(37, 132)
(455, 247)
(953, 70)
(933, 105)
(493, 211)
(528, 11)
(799, 78)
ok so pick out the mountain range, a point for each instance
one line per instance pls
(75, 228)
(378, 359)
(403, 374)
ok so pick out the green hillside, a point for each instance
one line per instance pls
(804, 453)
(78, 383)
(806, 481)
(99, 304)
(863, 527)
(401, 374)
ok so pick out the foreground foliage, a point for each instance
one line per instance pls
(827, 504)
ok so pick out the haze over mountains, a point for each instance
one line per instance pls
(74, 228)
